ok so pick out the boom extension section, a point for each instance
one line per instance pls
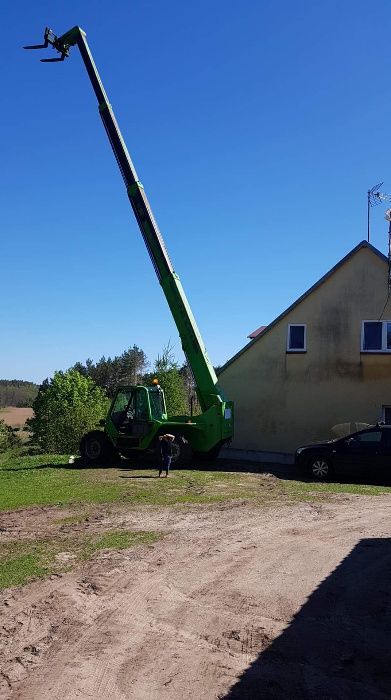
(208, 391)
(217, 418)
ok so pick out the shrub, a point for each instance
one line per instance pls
(8, 438)
(67, 406)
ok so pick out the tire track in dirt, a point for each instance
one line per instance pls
(184, 618)
(137, 613)
(126, 611)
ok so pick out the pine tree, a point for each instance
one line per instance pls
(166, 370)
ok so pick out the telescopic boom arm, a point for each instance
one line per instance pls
(208, 390)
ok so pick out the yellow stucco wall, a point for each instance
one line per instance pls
(283, 400)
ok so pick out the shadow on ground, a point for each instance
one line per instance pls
(338, 644)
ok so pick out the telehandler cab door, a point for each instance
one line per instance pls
(130, 414)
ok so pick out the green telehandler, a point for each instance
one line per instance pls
(138, 415)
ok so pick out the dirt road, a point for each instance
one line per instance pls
(233, 602)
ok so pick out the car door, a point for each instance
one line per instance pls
(385, 461)
(362, 454)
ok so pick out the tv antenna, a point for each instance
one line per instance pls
(387, 217)
(374, 197)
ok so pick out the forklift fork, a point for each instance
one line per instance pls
(56, 42)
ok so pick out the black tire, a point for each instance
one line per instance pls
(320, 468)
(212, 455)
(96, 448)
(182, 452)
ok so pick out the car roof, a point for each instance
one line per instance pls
(373, 428)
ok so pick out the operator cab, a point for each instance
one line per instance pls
(134, 411)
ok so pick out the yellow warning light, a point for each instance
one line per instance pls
(155, 381)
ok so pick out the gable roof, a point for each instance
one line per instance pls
(260, 332)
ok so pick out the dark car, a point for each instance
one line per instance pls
(365, 453)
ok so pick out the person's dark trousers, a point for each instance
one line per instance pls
(166, 463)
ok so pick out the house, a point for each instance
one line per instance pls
(326, 360)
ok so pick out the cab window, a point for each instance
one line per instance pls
(142, 408)
(121, 401)
(157, 407)
(120, 406)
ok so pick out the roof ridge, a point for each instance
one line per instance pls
(340, 263)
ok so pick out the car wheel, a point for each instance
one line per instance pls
(320, 468)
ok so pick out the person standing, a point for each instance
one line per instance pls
(165, 452)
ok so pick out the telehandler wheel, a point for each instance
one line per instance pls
(96, 448)
(181, 451)
(210, 456)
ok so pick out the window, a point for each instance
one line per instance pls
(376, 336)
(386, 414)
(297, 337)
(121, 400)
(142, 408)
(120, 407)
(158, 408)
(370, 437)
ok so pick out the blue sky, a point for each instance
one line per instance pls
(256, 128)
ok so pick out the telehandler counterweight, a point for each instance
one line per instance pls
(137, 416)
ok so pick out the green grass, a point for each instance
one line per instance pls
(115, 540)
(316, 490)
(26, 559)
(45, 480)
(75, 519)
(17, 570)
(49, 480)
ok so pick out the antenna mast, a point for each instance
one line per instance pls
(388, 218)
(374, 197)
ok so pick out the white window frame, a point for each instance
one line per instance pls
(384, 348)
(302, 325)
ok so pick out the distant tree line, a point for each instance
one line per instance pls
(15, 392)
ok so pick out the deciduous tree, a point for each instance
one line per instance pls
(67, 406)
